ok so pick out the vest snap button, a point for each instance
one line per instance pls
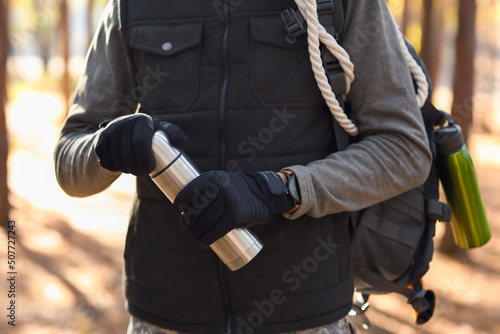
(291, 39)
(167, 46)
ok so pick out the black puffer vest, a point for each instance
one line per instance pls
(248, 101)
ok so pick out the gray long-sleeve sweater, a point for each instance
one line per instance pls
(392, 157)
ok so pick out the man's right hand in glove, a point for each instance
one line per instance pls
(125, 143)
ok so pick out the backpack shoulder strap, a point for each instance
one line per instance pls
(331, 14)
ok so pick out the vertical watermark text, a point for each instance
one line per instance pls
(11, 272)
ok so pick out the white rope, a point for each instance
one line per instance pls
(415, 69)
(316, 33)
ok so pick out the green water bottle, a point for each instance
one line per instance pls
(459, 180)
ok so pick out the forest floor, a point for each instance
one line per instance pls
(69, 251)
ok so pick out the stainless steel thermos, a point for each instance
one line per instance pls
(172, 173)
(458, 177)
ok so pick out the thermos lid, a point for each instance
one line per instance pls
(449, 139)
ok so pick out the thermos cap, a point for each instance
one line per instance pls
(449, 139)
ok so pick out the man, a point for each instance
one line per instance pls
(223, 75)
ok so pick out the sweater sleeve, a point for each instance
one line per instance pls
(101, 94)
(393, 155)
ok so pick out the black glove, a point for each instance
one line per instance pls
(125, 143)
(217, 202)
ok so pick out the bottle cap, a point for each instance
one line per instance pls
(449, 139)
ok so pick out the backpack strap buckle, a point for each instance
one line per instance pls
(325, 6)
(335, 73)
(358, 310)
(294, 24)
(423, 306)
(437, 210)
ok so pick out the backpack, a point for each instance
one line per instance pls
(392, 241)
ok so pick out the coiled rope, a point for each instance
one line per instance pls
(316, 33)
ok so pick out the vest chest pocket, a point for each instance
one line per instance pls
(280, 72)
(167, 59)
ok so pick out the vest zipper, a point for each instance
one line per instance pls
(222, 125)
(226, 302)
(222, 114)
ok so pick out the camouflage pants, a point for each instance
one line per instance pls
(343, 326)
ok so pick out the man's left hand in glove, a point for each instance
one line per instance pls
(217, 202)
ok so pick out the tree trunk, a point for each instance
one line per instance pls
(432, 37)
(64, 29)
(463, 88)
(463, 85)
(486, 119)
(43, 34)
(90, 21)
(406, 16)
(4, 147)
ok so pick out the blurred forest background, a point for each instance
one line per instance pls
(69, 251)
